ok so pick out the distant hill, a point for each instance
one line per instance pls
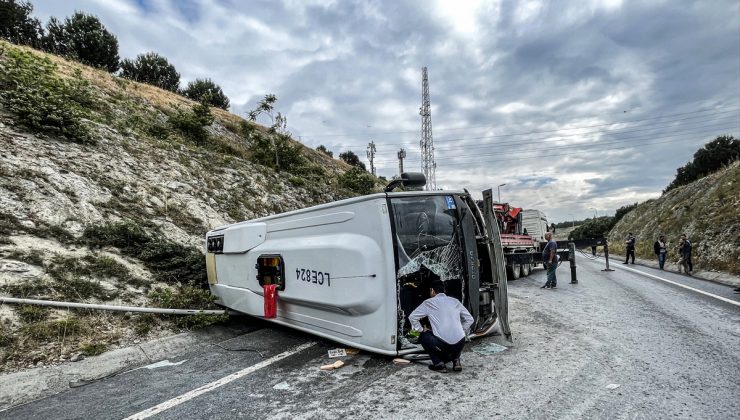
(707, 210)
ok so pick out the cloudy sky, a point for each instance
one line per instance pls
(578, 107)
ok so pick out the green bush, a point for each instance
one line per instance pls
(6, 336)
(41, 101)
(93, 349)
(83, 38)
(322, 149)
(192, 124)
(204, 90)
(277, 151)
(52, 330)
(357, 180)
(32, 313)
(351, 158)
(151, 68)
(297, 181)
(170, 262)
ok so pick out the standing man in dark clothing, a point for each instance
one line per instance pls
(450, 322)
(659, 247)
(630, 248)
(550, 261)
(687, 251)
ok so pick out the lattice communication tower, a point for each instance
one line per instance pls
(428, 166)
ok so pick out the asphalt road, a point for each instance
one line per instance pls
(616, 345)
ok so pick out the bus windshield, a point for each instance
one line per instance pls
(428, 237)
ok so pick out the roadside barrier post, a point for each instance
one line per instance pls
(572, 258)
(606, 256)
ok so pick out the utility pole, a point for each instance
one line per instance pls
(371, 156)
(401, 157)
(428, 166)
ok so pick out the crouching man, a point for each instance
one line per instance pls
(450, 322)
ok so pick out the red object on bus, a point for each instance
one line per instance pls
(270, 293)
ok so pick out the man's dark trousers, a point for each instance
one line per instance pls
(630, 252)
(439, 351)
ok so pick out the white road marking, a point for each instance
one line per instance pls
(734, 302)
(215, 384)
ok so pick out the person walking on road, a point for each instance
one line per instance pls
(450, 322)
(688, 252)
(681, 249)
(659, 247)
(550, 261)
(630, 242)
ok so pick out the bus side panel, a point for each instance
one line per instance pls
(339, 277)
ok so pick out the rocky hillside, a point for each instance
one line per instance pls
(107, 188)
(706, 210)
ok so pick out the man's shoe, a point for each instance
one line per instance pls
(553, 287)
(625, 262)
(441, 368)
(543, 287)
(548, 287)
(456, 366)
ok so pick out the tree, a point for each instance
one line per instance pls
(351, 158)
(593, 228)
(710, 158)
(325, 151)
(83, 38)
(621, 212)
(204, 90)
(17, 25)
(715, 154)
(153, 69)
(287, 153)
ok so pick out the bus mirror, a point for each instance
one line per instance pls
(407, 179)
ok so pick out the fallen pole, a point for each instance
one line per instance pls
(112, 308)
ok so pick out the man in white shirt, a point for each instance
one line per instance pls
(450, 322)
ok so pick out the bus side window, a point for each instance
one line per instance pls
(271, 270)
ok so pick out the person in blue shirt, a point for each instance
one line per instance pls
(550, 261)
(450, 322)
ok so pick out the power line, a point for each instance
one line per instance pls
(616, 131)
(590, 146)
(490, 125)
(548, 155)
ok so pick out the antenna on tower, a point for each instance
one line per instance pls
(401, 157)
(371, 155)
(428, 166)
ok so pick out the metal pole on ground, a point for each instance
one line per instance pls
(606, 257)
(572, 258)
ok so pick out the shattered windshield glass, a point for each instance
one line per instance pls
(428, 236)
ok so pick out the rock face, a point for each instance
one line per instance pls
(706, 210)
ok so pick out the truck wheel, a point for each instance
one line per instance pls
(525, 270)
(513, 271)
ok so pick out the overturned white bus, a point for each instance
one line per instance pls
(353, 270)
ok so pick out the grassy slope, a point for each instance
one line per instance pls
(706, 210)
